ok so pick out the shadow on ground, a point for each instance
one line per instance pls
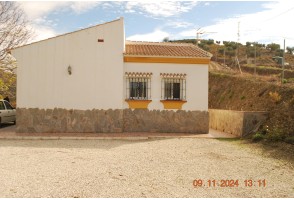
(83, 144)
(6, 126)
(276, 150)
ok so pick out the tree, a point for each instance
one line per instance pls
(279, 52)
(290, 50)
(253, 48)
(273, 47)
(14, 29)
(203, 46)
(221, 51)
(8, 85)
(208, 42)
(230, 44)
(248, 44)
(166, 39)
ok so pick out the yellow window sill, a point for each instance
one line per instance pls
(173, 104)
(133, 103)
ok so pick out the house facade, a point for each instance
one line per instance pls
(92, 80)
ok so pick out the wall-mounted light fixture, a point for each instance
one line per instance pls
(69, 70)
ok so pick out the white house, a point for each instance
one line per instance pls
(92, 80)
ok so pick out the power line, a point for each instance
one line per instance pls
(260, 23)
(278, 15)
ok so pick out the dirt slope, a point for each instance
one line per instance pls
(245, 93)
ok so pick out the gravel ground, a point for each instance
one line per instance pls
(148, 168)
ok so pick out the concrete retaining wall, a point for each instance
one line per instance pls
(35, 120)
(239, 123)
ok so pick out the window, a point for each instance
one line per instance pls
(138, 86)
(8, 106)
(138, 89)
(2, 105)
(173, 86)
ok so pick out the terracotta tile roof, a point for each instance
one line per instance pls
(164, 49)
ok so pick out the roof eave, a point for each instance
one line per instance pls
(161, 59)
(159, 56)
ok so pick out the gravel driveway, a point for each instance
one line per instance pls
(148, 168)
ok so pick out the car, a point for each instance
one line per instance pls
(7, 112)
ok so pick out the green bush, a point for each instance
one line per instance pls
(275, 137)
(290, 139)
(257, 137)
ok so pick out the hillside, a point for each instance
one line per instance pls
(263, 91)
(232, 92)
(225, 54)
(229, 89)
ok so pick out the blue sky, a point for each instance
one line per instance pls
(261, 21)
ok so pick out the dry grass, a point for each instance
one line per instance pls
(275, 97)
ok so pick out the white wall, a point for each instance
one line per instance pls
(97, 70)
(196, 83)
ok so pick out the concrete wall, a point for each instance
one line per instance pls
(239, 123)
(35, 120)
(97, 70)
(196, 83)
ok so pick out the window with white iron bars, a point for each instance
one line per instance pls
(173, 86)
(138, 85)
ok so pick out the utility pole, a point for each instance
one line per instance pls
(224, 56)
(217, 44)
(237, 50)
(197, 38)
(238, 34)
(283, 63)
(255, 59)
(198, 32)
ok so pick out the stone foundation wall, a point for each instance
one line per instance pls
(239, 123)
(57, 120)
(35, 120)
(141, 120)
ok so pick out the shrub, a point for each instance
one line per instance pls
(275, 97)
(285, 80)
(257, 137)
(290, 80)
(275, 135)
(264, 129)
(242, 97)
(290, 139)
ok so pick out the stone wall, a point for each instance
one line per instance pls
(35, 120)
(239, 123)
(143, 120)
